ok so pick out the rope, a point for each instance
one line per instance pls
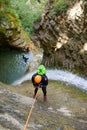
(30, 112)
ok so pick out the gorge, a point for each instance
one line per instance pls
(49, 32)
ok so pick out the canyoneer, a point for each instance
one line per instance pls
(40, 80)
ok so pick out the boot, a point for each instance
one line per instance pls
(34, 95)
(45, 98)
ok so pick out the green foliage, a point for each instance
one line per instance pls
(25, 11)
(28, 12)
(3, 16)
(59, 6)
(6, 8)
(4, 2)
(13, 12)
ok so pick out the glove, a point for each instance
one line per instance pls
(40, 85)
(35, 85)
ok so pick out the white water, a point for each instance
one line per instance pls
(60, 75)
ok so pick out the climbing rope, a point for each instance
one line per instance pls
(30, 112)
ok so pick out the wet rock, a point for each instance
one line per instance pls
(64, 34)
(64, 110)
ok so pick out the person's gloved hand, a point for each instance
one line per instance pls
(35, 85)
(40, 85)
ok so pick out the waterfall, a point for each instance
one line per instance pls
(59, 75)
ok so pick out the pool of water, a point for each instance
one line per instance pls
(13, 64)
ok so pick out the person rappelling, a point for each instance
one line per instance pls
(40, 80)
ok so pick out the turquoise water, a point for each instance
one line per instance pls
(13, 64)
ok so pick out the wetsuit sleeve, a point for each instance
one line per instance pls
(44, 81)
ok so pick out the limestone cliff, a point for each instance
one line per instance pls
(63, 36)
(12, 33)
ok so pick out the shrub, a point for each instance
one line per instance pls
(28, 14)
(59, 6)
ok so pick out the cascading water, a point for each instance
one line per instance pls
(60, 75)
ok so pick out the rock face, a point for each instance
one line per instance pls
(8, 120)
(64, 110)
(12, 34)
(63, 37)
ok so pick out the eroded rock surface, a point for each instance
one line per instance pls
(65, 109)
(63, 37)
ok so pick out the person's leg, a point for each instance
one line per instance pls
(44, 92)
(35, 92)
